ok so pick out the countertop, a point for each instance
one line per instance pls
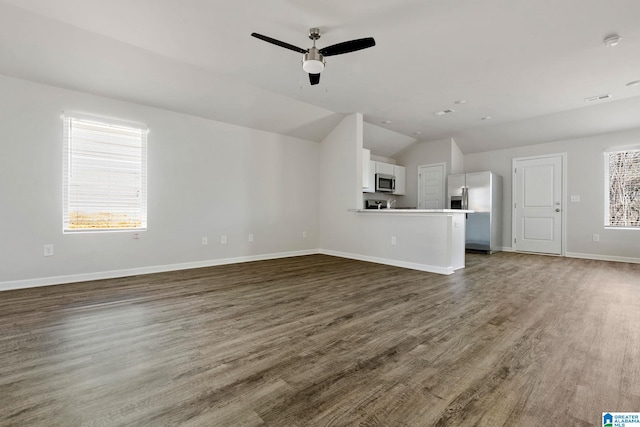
(416, 211)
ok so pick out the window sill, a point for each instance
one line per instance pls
(607, 227)
(105, 230)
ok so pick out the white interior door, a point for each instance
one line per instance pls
(431, 187)
(538, 204)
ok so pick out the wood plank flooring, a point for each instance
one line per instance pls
(512, 340)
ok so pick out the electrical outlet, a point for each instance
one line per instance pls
(575, 198)
(304, 234)
(205, 241)
(250, 238)
(48, 250)
(596, 237)
(223, 240)
(393, 240)
(136, 236)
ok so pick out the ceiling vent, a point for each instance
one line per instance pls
(598, 97)
(443, 112)
(612, 40)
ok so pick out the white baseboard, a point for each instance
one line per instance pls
(393, 262)
(598, 257)
(112, 274)
(507, 249)
(603, 257)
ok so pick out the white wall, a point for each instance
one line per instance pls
(585, 177)
(384, 142)
(342, 178)
(205, 178)
(457, 159)
(424, 153)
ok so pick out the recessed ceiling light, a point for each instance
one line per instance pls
(417, 133)
(633, 83)
(612, 40)
(460, 102)
(443, 112)
(598, 97)
(386, 122)
(486, 118)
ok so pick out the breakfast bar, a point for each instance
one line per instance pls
(423, 239)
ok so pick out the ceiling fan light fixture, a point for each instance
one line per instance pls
(313, 61)
(312, 66)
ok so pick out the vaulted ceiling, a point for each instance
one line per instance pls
(529, 65)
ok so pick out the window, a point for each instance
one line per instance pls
(622, 184)
(105, 175)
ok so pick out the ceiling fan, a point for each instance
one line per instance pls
(313, 60)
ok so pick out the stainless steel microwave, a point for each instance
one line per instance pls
(385, 183)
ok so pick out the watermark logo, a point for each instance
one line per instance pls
(621, 419)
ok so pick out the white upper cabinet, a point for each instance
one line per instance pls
(386, 168)
(372, 178)
(400, 172)
(366, 159)
(368, 172)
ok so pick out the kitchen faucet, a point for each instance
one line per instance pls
(390, 203)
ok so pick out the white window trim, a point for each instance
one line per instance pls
(68, 117)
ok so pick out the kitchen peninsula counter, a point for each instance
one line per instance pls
(410, 210)
(430, 240)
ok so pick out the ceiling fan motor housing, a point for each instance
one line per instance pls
(314, 33)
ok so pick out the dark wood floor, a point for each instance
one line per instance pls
(512, 340)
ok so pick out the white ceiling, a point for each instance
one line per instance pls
(527, 64)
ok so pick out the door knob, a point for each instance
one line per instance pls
(557, 209)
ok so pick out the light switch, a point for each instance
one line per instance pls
(575, 198)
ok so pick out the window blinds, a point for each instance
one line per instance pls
(104, 176)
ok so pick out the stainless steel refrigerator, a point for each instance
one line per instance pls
(480, 192)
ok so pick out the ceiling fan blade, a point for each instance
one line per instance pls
(279, 43)
(314, 79)
(346, 47)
